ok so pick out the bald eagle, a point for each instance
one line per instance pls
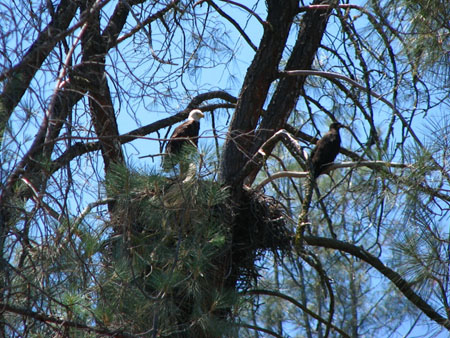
(326, 149)
(185, 134)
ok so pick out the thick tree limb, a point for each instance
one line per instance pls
(64, 99)
(259, 77)
(288, 90)
(94, 49)
(81, 148)
(404, 287)
(119, 18)
(19, 77)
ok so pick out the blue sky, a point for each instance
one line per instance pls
(147, 111)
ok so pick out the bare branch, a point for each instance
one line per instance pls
(354, 83)
(324, 7)
(297, 304)
(80, 148)
(234, 23)
(260, 329)
(257, 17)
(281, 174)
(333, 166)
(88, 209)
(150, 19)
(404, 287)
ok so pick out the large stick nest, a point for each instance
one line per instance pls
(259, 226)
(252, 225)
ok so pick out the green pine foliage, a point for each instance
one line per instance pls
(162, 264)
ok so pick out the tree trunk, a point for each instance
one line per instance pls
(260, 75)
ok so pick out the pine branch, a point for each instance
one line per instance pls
(404, 287)
(144, 23)
(380, 97)
(260, 329)
(234, 23)
(60, 321)
(299, 305)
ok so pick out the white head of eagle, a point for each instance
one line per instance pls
(185, 133)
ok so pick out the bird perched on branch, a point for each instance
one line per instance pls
(326, 149)
(183, 135)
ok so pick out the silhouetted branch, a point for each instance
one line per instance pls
(297, 304)
(354, 83)
(253, 13)
(80, 148)
(404, 287)
(60, 321)
(234, 23)
(150, 19)
(260, 329)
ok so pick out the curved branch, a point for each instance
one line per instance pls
(150, 19)
(195, 103)
(88, 209)
(253, 13)
(215, 94)
(281, 174)
(299, 305)
(234, 23)
(357, 85)
(80, 148)
(262, 329)
(264, 150)
(404, 287)
(371, 92)
(324, 7)
(60, 321)
(331, 167)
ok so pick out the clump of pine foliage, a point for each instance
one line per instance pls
(164, 267)
(180, 252)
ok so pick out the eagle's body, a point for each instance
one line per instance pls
(185, 134)
(326, 149)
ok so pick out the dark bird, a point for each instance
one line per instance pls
(185, 134)
(326, 149)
